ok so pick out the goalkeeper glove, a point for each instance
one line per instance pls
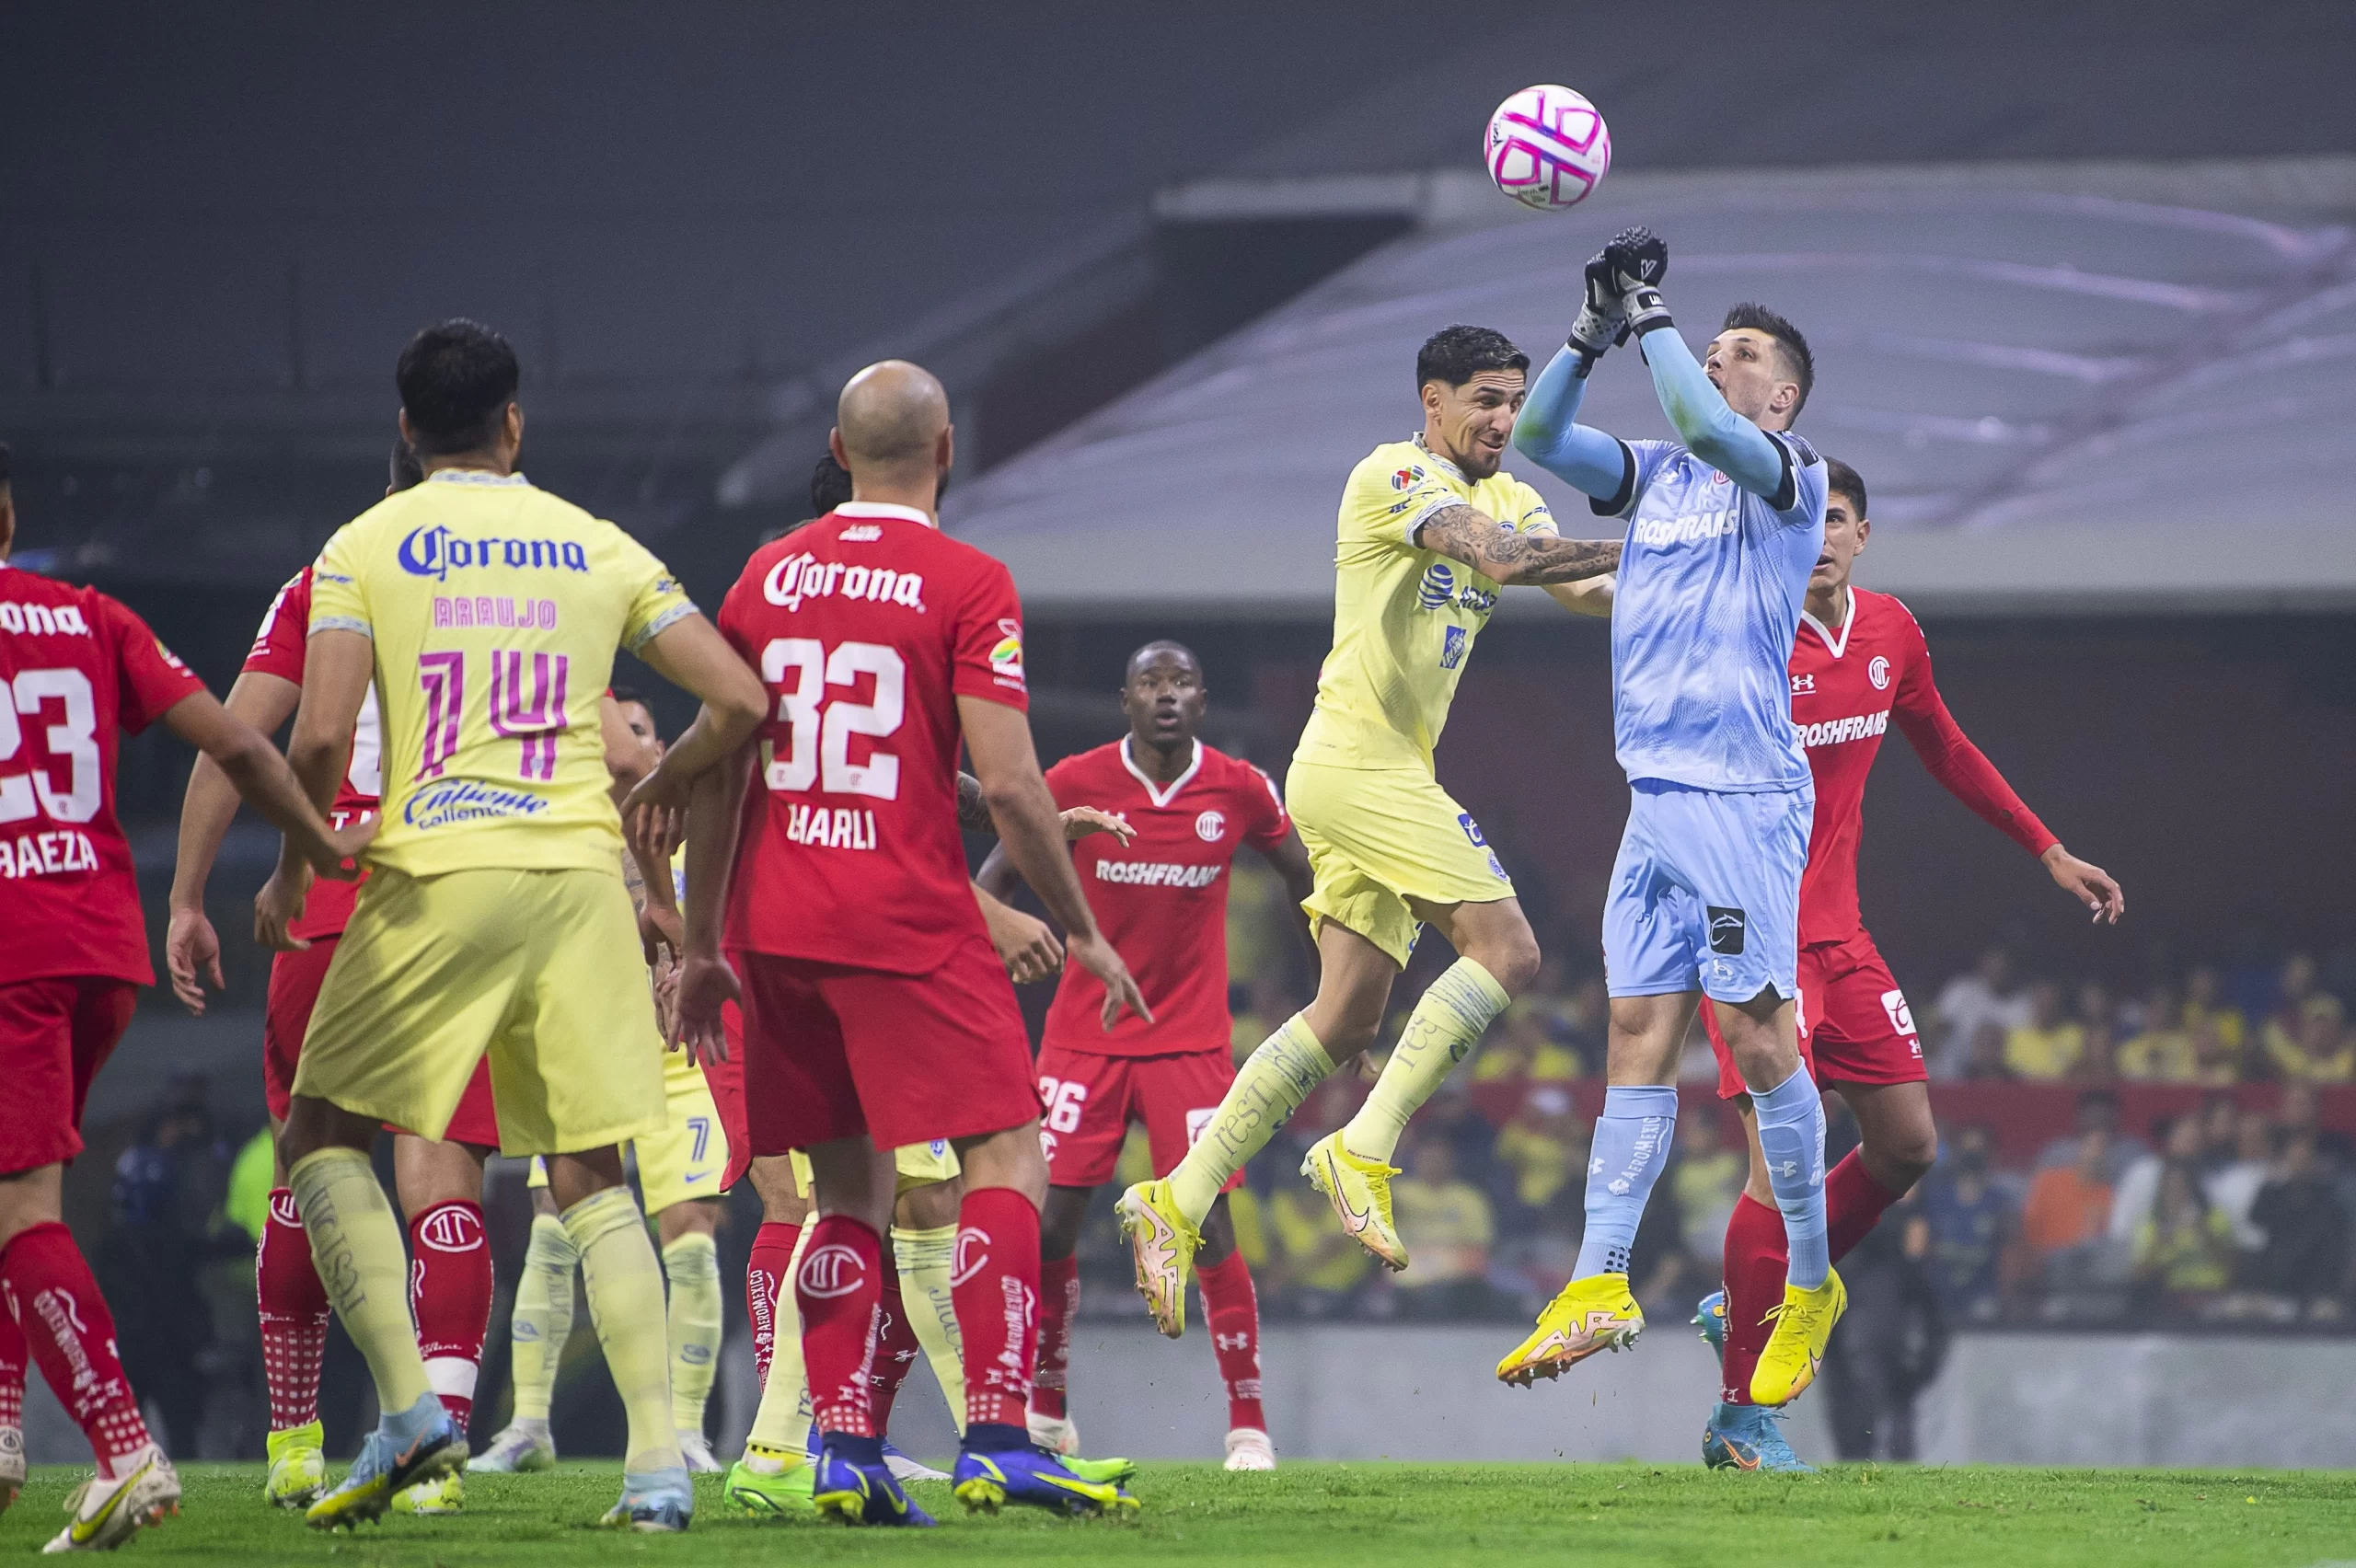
(1638, 259)
(1601, 321)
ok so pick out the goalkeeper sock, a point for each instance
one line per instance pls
(927, 1260)
(624, 1284)
(356, 1247)
(1445, 1026)
(691, 1264)
(1268, 1087)
(543, 1317)
(1791, 1135)
(1632, 1139)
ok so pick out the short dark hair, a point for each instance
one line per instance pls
(455, 381)
(1454, 355)
(829, 485)
(1160, 645)
(404, 471)
(1842, 480)
(1798, 364)
(626, 694)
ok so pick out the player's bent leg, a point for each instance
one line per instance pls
(1898, 1144)
(924, 1256)
(291, 1310)
(785, 1208)
(440, 1187)
(1059, 1223)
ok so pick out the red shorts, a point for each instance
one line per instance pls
(1089, 1099)
(726, 1081)
(294, 980)
(55, 1033)
(832, 1051)
(1854, 1024)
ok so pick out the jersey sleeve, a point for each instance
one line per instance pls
(657, 600)
(286, 628)
(1947, 753)
(1644, 460)
(1266, 823)
(149, 678)
(1531, 513)
(339, 598)
(1800, 496)
(1386, 504)
(988, 654)
(1060, 785)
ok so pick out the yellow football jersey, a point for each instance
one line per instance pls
(1404, 618)
(496, 609)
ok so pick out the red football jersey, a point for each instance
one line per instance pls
(865, 627)
(278, 651)
(1163, 901)
(1847, 687)
(75, 669)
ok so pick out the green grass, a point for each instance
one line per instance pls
(1368, 1516)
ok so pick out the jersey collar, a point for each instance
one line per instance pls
(1155, 792)
(474, 477)
(1840, 644)
(1453, 471)
(885, 509)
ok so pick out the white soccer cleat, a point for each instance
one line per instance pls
(696, 1450)
(904, 1469)
(1248, 1448)
(12, 1465)
(520, 1448)
(108, 1513)
(1058, 1434)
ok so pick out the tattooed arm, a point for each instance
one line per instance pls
(1468, 534)
(973, 812)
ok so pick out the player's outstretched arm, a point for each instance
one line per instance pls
(192, 947)
(1470, 536)
(1711, 431)
(1031, 832)
(1079, 822)
(690, 652)
(707, 985)
(338, 665)
(1026, 945)
(1548, 433)
(258, 774)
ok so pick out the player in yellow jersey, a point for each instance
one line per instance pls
(486, 613)
(1431, 529)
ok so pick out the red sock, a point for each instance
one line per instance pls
(1059, 1302)
(70, 1333)
(294, 1315)
(1854, 1200)
(1233, 1310)
(764, 1277)
(996, 1291)
(12, 1374)
(840, 1292)
(896, 1349)
(1756, 1255)
(449, 1293)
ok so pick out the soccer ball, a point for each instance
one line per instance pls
(1548, 147)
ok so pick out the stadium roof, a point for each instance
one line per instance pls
(2067, 386)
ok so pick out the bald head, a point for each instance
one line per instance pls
(892, 416)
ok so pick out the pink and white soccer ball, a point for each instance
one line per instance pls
(1548, 147)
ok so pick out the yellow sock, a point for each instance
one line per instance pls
(1445, 1026)
(1268, 1087)
(625, 1289)
(543, 1319)
(781, 1426)
(692, 1265)
(356, 1246)
(927, 1259)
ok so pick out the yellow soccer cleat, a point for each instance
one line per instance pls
(298, 1467)
(1802, 1328)
(443, 1494)
(1590, 1314)
(1359, 1190)
(1163, 1244)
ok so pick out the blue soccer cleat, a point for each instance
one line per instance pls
(1710, 1316)
(1745, 1437)
(661, 1501)
(986, 1482)
(855, 1494)
(390, 1461)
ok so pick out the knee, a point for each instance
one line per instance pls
(1511, 960)
(1908, 1159)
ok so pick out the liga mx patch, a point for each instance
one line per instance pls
(1726, 930)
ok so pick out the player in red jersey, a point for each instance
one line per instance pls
(440, 1182)
(876, 1014)
(1860, 663)
(1163, 897)
(76, 668)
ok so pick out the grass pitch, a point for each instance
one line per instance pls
(1365, 1516)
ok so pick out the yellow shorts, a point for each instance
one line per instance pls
(1379, 836)
(541, 969)
(685, 1158)
(920, 1165)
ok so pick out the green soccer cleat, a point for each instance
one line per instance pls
(774, 1494)
(1103, 1473)
(298, 1467)
(443, 1494)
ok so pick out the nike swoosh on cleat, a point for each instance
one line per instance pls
(1353, 1220)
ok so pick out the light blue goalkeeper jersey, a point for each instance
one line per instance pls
(1712, 579)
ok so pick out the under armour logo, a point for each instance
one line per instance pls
(1787, 1169)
